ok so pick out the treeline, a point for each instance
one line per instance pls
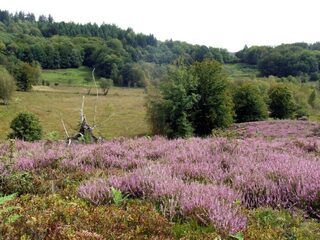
(114, 52)
(298, 59)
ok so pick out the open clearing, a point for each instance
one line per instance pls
(68, 77)
(120, 113)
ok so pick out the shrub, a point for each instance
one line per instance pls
(7, 86)
(281, 102)
(26, 126)
(20, 183)
(249, 104)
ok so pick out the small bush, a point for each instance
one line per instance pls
(20, 183)
(26, 126)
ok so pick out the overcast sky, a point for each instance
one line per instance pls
(219, 23)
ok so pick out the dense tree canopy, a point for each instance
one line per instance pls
(106, 47)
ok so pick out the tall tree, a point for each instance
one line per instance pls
(214, 108)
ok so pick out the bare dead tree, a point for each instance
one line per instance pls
(85, 132)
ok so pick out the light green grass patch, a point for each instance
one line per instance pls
(68, 77)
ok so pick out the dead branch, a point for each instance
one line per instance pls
(85, 132)
(64, 126)
(82, 110)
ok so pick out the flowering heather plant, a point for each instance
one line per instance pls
(276, 165)
(211, 204)
(97, 191)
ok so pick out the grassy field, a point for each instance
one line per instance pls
(120, 113)
(68, 77)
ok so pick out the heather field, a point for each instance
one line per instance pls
(257, 180)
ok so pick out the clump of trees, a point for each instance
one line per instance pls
(26, 126)
(7, 86)
(192, 101)
(196, 99)
(298, 59)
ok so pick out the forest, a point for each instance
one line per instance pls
(115, 53)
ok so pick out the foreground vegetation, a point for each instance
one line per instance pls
(159, 189)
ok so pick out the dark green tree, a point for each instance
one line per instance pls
(26, 126)
(282, 103)
(214, 107)
(249, 103)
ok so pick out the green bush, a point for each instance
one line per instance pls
(249, 104)
(26, 126)
(282, 103)
(19, 182)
